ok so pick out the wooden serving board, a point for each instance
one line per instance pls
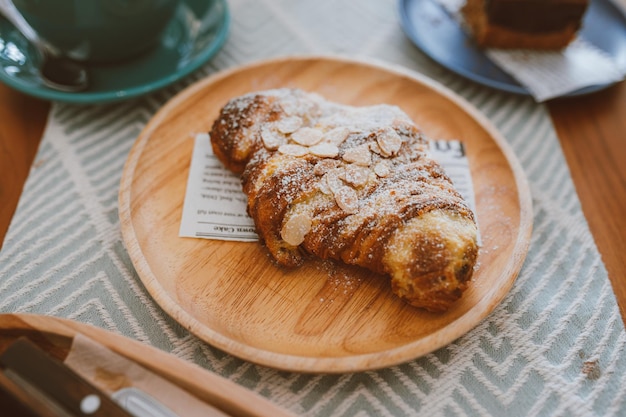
(55, 335)
(318, 318)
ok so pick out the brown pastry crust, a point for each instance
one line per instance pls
(489, 34)
(366, 193)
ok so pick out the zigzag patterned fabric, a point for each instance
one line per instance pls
(553, 347)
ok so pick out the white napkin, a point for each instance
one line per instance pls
(550, 74)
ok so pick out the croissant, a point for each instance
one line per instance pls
(353, 184)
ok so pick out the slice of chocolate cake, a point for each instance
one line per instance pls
(530, 24)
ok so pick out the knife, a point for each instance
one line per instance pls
(33, 383)
(16, 402)
(48, 381)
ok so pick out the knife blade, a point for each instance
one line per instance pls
(16, 401)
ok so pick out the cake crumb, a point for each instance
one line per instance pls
(592, 370)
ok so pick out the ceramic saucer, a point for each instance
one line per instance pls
(194, 35)
(439, 36)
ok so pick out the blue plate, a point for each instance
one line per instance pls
(194, 35)
(439, 36)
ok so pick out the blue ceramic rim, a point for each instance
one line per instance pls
(407, 26)
(139, 90)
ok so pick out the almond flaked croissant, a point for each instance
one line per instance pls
(353, 184)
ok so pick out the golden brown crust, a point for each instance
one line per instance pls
(350, 184)
(490, 35)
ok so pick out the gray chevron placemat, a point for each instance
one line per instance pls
(554, 347)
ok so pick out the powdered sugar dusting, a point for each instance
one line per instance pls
(345, 184)
(341, 284)
(358, 149)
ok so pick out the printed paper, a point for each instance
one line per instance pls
(215, 205)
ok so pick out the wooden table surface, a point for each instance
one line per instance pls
(591, 130)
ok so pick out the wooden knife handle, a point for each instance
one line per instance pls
(44, 377)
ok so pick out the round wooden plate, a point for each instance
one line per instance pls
(316, 318)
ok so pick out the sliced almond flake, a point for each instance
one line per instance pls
(324, 166)
(356, 175)
(296, 228)
(359, 155)
(293, 150)
(389, 142)
(289, 124)
(382, 169)
(333, 180)
(403, 124)
(324, 150)
(347, 199)
(307, 136)
(322, 185)
(375, 148)
(291, 107)
(271, 139)
(337, 135)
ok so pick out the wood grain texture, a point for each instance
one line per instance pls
(586, 125)
(316, 318)
(55, 335)
(22, 121)
(591, 130)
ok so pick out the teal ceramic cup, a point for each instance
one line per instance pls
(99, 30)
